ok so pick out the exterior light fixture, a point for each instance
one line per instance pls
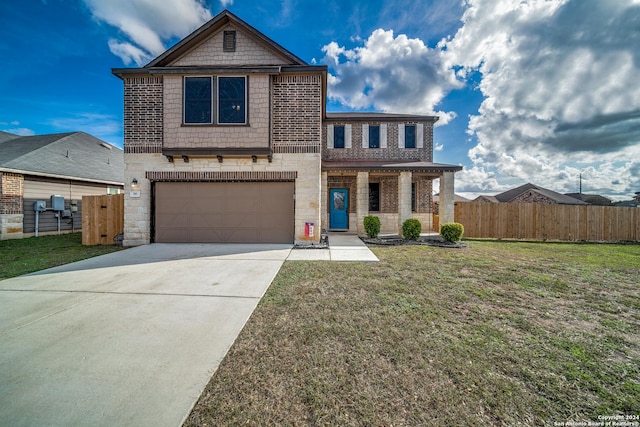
(134, 184)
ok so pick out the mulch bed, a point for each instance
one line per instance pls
(399, 241)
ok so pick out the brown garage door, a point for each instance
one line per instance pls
(224, 212)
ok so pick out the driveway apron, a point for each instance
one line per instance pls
(129, 338)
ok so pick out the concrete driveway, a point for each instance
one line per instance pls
(129, 338)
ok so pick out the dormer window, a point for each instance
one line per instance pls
(229, 41)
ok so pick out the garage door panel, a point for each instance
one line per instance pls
(224, 212)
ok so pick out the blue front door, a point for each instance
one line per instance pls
(339, 209)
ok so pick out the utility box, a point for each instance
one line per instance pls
(40, 206)
(57, 203)
(74, 206)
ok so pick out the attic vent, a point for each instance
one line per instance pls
(229, 42)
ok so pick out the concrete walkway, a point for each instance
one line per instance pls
(125, 339)
(342, 247)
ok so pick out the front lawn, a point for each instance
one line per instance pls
(22, 256)
(496, 334)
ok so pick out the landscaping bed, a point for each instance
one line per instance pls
(434, 240)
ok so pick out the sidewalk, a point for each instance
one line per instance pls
(342, 247)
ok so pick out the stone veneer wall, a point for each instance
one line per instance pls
(391, 152)
(11, 210)
(143, 114)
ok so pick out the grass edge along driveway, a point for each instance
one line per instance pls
(500, 333)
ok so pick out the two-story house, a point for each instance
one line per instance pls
(227, 139)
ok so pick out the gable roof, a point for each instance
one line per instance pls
(5, 136)
(73, 155)
(561, 199)
(488, 199)
(213, 26)
(456, 198)
(592, 199)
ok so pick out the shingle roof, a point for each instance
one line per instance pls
(359, 116)
(592, 199)
(74, 155)
(5, 136)
(561, 199)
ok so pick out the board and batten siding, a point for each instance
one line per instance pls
(40, 188)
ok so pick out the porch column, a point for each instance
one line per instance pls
(446, 197)
(404, 198)
(324, 200)
(362, 201)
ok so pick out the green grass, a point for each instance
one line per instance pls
(22, 256)
(500, 333)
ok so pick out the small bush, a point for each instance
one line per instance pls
(372, 226)
(451, 231)
(411, 229)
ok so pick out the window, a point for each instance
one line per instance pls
(197, 100)
(338, 137)
(374, 196)
(410, 136)
(413, 197)
(374, 136)
(232, 100)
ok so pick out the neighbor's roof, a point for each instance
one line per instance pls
(483, 198)
(509, 195)
(456, 198)
(592, 199)
(387, 117)
(73, 155)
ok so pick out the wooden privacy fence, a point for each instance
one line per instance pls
(102, 219)
(531, 221)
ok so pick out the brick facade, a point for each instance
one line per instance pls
(296, 112)
(392, 151)
(11, 193)
(143, 111)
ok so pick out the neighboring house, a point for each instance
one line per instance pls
(228, 139)
(35, 168)
(436, 201)
(530, 193)
(592, 199)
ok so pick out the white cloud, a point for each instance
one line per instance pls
(560, 84)
(226, 3)
(20, 131)
(147, 25)
(391, 74)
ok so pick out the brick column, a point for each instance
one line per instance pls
(324, 201)
(404, 198)
(362, 201)
(11, 209)
(446, 197)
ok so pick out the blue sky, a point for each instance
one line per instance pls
(526, 91)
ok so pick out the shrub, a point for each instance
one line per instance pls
(372, 226)
(451, 231)
(411, 229)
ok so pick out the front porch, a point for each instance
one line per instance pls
(392, 192)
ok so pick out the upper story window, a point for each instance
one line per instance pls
(231, 104)
(410, 136)
(198, 93)
(232, 100)
(374, 136)
(338, 137)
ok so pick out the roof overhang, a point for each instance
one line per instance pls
(389, 166)
(383, 117)
(65, 177)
